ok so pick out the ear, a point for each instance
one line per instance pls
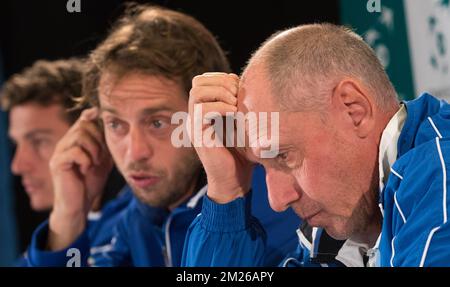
(356, 106)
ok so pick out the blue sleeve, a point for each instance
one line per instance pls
(22, 261)
(225, 235)
(438, 254)
(423, 240)
(38, 256)
(416, 230)
(116, 253)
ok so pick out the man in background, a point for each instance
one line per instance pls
(40, 102)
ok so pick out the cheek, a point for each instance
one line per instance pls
(317, 181)
(41, 165)
(116, 148)
(172, 159)
(47, 176)
(333, 181)
(46, 152)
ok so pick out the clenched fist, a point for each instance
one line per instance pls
(227, 169)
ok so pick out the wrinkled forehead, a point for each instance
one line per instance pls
(133, 92)
(260, 112)
(30, 113)
(255, 92)
(135, 85)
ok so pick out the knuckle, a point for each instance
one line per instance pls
(52, 163)
(193, 92)
(196, 80)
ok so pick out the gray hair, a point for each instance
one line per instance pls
(315, 58)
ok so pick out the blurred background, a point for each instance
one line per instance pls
(410, 37)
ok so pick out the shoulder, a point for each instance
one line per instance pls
(429, 159)
(419, 180)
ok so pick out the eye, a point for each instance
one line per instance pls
(115, 126)
(157, 124)
(42, 146)
(286, 160)
(283, 156)
(38, 142)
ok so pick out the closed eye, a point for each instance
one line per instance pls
(287, 160)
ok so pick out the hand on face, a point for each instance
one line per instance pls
(79, 166)
(228, 171)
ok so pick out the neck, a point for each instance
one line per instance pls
(388, 116)
(96, 203)
(372, 231)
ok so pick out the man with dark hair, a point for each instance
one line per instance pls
(136, 80)
(41, 102)
(38, 101)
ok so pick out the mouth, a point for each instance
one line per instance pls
(143, 180)
(29, 187)
(310, 218)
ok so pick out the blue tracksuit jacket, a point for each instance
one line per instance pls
(147, 236)
(98, 233)
(415, 229)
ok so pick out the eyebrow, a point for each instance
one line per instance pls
(109, 110)
(34, 133)
(145, 112)
(151, 111)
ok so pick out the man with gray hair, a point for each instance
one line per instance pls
(352, 159)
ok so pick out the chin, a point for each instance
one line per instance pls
(336, 235)
(149, 197)
(40, 206)
(338, 232)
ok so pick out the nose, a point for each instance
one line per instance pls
(21, 162)
(139, 148)
(281, 190)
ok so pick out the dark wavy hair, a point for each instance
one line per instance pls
(46, 83)
(154, 41)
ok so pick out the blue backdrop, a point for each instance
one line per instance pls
(8, 246)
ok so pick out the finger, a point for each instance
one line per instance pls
(242, 152)
(230, 82)
(91, 146)
(74, 156)
(201, 115)
(234, 76)
(220, 74)
(86, 135)
(213, 94)
(89, 114)
(94, 131)
(211, 110)
(87, 118)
